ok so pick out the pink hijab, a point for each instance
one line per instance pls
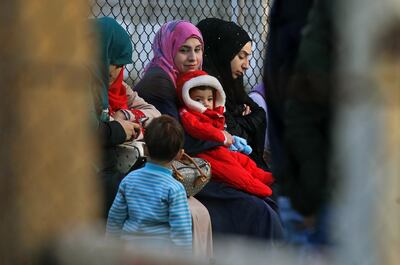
(167, 42)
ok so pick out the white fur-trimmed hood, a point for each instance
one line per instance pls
(203, 79)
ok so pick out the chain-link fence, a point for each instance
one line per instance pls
(142, 19)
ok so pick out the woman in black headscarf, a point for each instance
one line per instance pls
(227, 48)
(226, 56)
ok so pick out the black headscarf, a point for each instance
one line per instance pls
(222, 41)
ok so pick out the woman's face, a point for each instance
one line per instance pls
(114, 71)
(240, 63)
(189, 56)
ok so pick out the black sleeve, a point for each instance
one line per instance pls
(244, 126)
(111, 133)
(156, 88)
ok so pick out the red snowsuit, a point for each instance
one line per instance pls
(232, 168)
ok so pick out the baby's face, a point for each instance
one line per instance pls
(205, 97)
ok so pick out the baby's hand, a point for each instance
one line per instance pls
(228, 138)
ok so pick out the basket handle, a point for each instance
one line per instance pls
(194, 163)
(201, 178)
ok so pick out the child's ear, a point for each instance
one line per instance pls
(179, 154)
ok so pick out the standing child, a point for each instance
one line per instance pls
(150, 203)
(202, 117)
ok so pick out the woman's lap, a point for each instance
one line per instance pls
(202, 234)
(236, 212)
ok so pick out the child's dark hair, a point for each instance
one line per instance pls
(164, 138)
(204, 88)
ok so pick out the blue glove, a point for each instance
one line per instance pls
(240, 145)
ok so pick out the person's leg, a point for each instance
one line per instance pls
(239, 213)
(110, 184)
(202, 231)
(251, 167)
(227, 168)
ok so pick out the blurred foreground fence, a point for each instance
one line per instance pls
(47, 185)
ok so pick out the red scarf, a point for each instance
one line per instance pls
(117, 94)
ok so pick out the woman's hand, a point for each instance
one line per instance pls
(246, 110)
(132, 130)
(119, 115)
(228, 138)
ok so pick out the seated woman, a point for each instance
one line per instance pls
(177, 49)
(121, 104)
(232, 211)
(226, 56)
(114, 49)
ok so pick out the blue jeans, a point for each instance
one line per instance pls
(295, 233)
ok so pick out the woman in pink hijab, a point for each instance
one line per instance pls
(178, 48)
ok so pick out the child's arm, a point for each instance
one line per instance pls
(200, 130)
(180, 219)
(117, 214)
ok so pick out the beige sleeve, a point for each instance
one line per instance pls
(136, 102)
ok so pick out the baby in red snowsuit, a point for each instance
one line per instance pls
(202, 116)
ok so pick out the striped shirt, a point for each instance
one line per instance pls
(151, 202)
